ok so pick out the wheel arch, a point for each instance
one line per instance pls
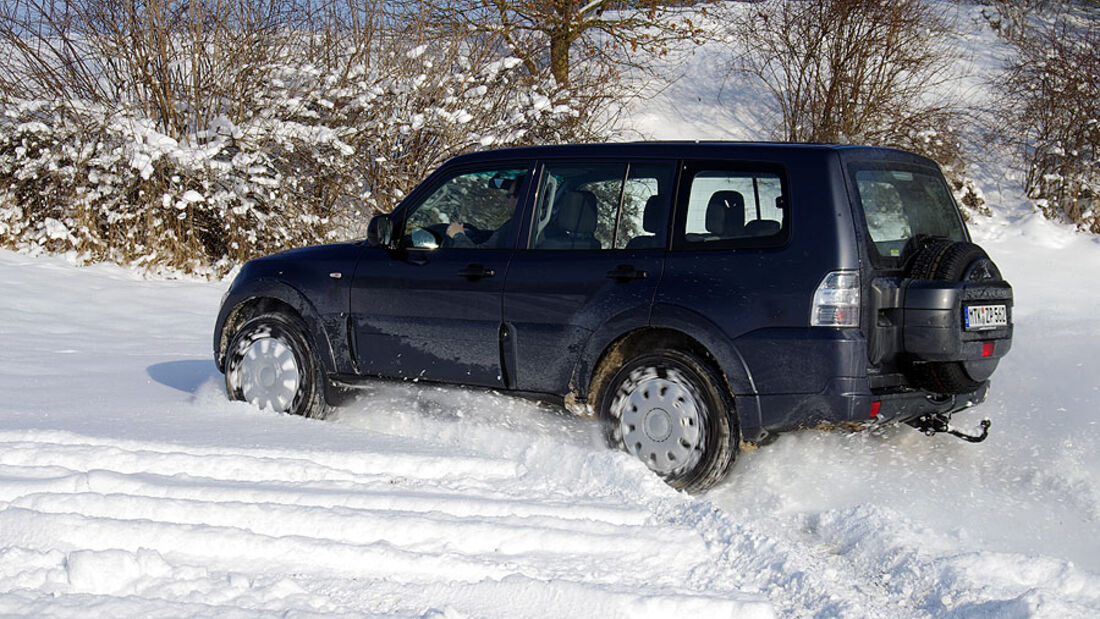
(263, 296)
(605, 355)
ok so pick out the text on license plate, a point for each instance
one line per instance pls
(986, 316)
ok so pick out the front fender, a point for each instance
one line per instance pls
(327, 344)
(314, 282)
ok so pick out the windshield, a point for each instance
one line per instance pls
(900, 203)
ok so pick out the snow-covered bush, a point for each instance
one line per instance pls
(1052, 103)
(214, 155)
(111, 186)
(312, 164)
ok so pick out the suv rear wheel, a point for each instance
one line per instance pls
(671, 410)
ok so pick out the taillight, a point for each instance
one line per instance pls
(836, 300)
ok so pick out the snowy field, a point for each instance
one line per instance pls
(130, 486)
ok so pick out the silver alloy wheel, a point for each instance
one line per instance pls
(269, 374)
(661, 420)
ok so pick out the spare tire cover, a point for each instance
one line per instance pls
(953, 261)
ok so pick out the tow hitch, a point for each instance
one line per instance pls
(939, 422)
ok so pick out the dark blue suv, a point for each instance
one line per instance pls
(692, 296)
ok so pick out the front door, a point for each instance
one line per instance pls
(431, 307)
(595, 254)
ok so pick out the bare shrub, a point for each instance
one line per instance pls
(1052, 104)
(567, 39)
(856, 71)
(179, 62)
(197, 134)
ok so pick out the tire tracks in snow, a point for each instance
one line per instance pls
(145, 511)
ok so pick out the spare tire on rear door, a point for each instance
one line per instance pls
(952, 261)
(950, 368)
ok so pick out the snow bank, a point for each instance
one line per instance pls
(129, 485)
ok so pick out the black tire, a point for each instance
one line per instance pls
(940, 259)
(666, 378)
(283, 332)
(953, 262)
(923, 256)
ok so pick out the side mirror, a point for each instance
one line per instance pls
(380, 231)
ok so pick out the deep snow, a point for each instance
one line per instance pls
(130, 486)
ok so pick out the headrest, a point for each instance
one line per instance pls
(577, 212)
(653, 216)
(726, 213)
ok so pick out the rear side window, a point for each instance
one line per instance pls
(643, 216)
(733, 207)
(600, 206)
(577, 205)
(900, 203)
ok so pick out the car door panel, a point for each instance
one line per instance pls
(431, 307)
(421, 318)
(577, 275)
(555, 302)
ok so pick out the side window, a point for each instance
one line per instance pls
(470, 210)
(647, 196)
(603, 206)
(577, 206)
(730, 208)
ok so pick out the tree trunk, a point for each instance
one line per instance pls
(560, 40)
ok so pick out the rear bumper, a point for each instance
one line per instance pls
(899, 407)
(805, 377)
(851, 401)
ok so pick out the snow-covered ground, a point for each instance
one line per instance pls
(129, 485)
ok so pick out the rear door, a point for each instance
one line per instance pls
(595, 250)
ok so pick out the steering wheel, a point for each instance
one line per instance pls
(428, 238)
(475, 234)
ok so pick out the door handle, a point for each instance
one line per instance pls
(476, 271)
(626, 273)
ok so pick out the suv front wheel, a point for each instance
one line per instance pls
(671, 411)
(269, 363)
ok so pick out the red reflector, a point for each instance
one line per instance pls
(874, 408)
(987, 349)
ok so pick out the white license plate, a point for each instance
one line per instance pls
(979, 317)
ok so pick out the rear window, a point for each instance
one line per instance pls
(900, 203)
